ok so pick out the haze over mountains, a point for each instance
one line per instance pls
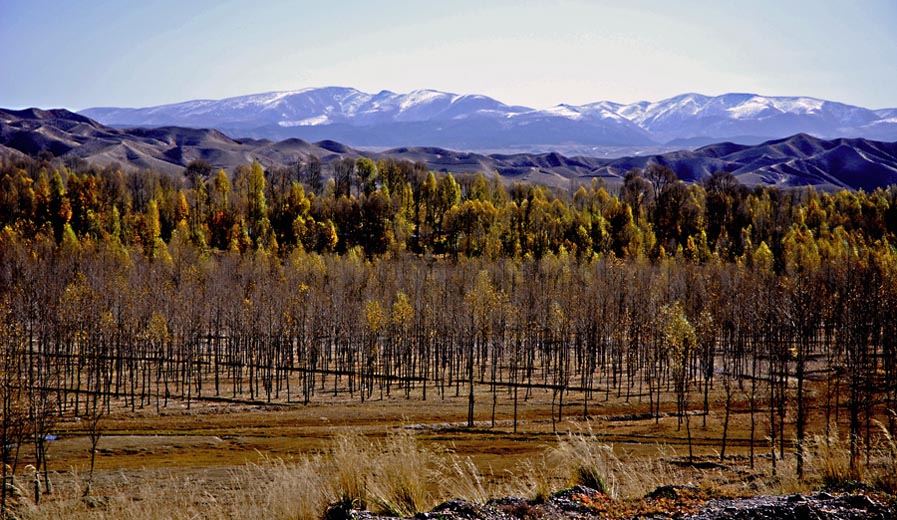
(475, 122)
(794, 161)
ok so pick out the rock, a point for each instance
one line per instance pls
(862, 502)
(849, 486)
(821, 506)
(803, 511)
(568, 505)
(464, 510)
(672, 492)
(568, 500)
(343, 510)
(513, 506)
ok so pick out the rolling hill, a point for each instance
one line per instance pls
(797, 160)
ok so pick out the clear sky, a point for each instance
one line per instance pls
(78, 54)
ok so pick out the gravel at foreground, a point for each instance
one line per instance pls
(667, 502)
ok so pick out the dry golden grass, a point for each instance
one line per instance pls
(595, 464)
(172, 498)
(349, 457)
(884, 465)
(589, 461)
(877, 466)
(241, 461)
(281, 489)
(830, 457)
(401, 473)
(462, 479)
(394, 476)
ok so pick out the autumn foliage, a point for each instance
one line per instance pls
(134, 289)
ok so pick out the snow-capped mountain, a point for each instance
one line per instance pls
(430, 117)
(311, 107)
(742, 115)
(421, 117)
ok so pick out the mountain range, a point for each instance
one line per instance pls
(797, 160)
(475, 122)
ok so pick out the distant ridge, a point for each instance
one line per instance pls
(798, 160)
(474, 122)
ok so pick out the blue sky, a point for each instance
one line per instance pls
(78, 54)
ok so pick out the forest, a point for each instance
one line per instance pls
(134, 290)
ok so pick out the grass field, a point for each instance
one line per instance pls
(219, 459)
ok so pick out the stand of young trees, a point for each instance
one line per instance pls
(134, 290)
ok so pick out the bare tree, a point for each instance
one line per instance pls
(94, 432)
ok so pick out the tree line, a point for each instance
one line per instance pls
(392, 206)
(138, 289)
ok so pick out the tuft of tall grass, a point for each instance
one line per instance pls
(594, 463)
(299, 489)
(830, 457)
(461, 478)
(884, 464)
(350, 459)
(587, 460)
(401, 471)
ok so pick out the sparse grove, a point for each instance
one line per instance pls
(122, 292)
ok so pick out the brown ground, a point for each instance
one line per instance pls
(215, 434)
(213, 439)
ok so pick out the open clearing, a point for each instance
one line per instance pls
(210, 440)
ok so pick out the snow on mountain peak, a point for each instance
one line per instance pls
(686, 116)
(564, 111)
(421, 97)
(761, 106)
